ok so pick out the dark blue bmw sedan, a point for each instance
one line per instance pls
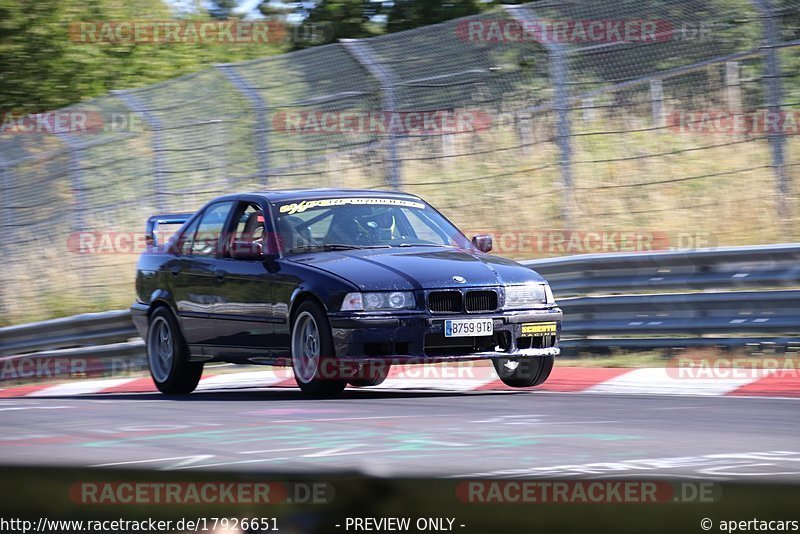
(339, 284)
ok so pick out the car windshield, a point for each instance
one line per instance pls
(356, 223)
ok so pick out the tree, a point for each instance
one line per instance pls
(44, 65)
(222, 9)
(345, 19)
(408, 14)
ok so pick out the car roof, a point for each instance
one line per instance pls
(286, 195)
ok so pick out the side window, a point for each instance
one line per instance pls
(424, 229)
(250, 226)
(184, 246)
(206, 240)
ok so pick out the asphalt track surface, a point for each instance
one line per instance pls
(406, 434)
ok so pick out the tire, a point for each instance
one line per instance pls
(313, 357)
(370, 375)
(168, 356)
(527, 372)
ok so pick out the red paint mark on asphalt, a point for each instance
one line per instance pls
(139, 385)
(567, 379)
(21, 391)
(783, 383)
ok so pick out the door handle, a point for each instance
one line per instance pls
(220, 275)
(175, 271)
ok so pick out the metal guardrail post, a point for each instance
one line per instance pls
(772, 74)
(559, 74)
(362, 53)
(134, 104)
(260, 108)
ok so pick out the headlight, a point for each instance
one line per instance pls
(528, 295)
(395, 300)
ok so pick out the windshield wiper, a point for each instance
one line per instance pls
(332, 247)
(406, 245)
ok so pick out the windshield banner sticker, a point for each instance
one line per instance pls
(300, 207)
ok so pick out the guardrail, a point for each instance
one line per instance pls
(739, 299)
(86, 330)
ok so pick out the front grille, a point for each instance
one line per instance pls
(481, 301)
(444, 302)
(439, 345)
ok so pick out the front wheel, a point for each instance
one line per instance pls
(524, 372)
(168, 356)
(370, 374)
(313, 359)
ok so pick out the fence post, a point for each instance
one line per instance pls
(260, 108)
(363, 55)
(559, 74)
(76, 181)
(6, 235)
(657, 99)
(774, 98)
(135, 105)
(733, 88)
(589, 108)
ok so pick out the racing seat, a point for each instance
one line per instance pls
(254, 227)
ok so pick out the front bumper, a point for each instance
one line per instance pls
(419, 337)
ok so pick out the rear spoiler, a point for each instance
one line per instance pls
(151, 228)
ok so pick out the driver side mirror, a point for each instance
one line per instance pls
(247, 251)
(482, 242)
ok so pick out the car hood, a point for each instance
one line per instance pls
(418, 268)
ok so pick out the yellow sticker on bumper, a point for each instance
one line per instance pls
(540, 329)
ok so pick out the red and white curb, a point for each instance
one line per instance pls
(659, 381)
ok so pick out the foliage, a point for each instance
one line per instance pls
(43, 68)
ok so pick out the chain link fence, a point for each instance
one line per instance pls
(660, 118)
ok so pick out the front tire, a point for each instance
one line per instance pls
(313, 357)
(370, 375)
(524, 372)
(168, 356)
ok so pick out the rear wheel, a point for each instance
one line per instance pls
(168, 356)
(524, 372)
(313, 359)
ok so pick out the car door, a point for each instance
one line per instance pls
(244, 310)
(194, 279)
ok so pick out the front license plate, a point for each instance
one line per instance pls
(539, 329)
(468, 327)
